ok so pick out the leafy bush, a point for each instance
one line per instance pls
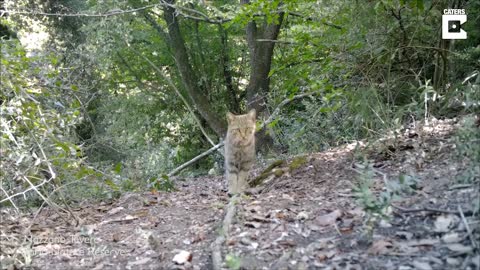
(39, 150)
(467, 146)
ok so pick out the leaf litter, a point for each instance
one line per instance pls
(306, 219)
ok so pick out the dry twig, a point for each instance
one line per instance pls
(467, 227)
(217, 260)
(424, 209)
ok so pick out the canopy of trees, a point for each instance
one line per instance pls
(118, 93)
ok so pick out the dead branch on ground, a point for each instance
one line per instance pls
(195, 159)
(262, 126)
(217, 260)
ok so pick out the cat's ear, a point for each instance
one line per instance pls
(230, 117)
(252, 114)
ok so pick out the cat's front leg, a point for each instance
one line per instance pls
(232, 180)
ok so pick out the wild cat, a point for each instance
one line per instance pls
(239, 150)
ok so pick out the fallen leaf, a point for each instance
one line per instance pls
(115, 210)
(253, 224)
(329, 218)
(380, 247)
(88, 230)
(459, 248)
(421, 265)
(384, 224)
(443, 223)
(406, 249)
(142, 213)
(280, 215)
(258, 218)
(182, 257)
(435, 260)
(451, 238)
(116, 237)
(313, 227)
(357, 212)
(406, 235)
(453, 261)
(476, 261)
(126, 218)
(231, 242)
(155, 242)
(317, 245)
(140, 262)
(255, 208)
(423, 242)
(199, 237)
(129, 217)
(347, 227)
(324, 255)
(288, 243)
(245, 241)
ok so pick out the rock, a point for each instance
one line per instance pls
(182, 257)
(444, 223)
(302, 216)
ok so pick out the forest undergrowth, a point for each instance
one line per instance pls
(407, 200)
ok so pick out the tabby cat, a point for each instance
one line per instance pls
(239, 150)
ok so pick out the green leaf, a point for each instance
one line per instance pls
(233, 262)
(420, 5)
(118, 168)
(64, 146)
(82, 172)
(111, 184)
(273, 123)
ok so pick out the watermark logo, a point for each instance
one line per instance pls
(452, 20)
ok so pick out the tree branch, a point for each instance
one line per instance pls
(276, 41)
(295, 14)
(109, 13)
(188, 74)
(264, 124)
(189, 108)
(195, 159)
(224, 234)
(227, 71)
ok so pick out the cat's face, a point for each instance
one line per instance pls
(241, 128)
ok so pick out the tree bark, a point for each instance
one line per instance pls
(232, 89)
(261, 54)
(188, 76)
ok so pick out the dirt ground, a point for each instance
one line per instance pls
(309, 217)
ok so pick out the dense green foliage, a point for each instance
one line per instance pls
(96, 97)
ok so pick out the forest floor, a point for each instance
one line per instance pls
(309, 217)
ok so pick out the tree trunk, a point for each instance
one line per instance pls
(189, 78)
(261, 54)
(232, 89)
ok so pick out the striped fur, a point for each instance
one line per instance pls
(239, 150)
